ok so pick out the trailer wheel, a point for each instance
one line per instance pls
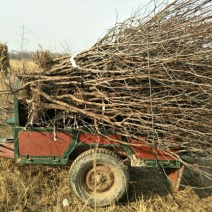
(98, 177)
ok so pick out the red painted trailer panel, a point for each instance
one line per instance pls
(98, 139)
(5, 152)
(140, 148)
(143, 150)
(43, 143)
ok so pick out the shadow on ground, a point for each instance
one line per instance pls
(148, 182)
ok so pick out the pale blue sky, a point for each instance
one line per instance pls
(61, 25)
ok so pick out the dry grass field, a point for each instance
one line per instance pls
(43, 188)
(18, 65)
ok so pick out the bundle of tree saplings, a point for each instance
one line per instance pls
(148, 76)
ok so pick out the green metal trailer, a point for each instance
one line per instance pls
(99, 174)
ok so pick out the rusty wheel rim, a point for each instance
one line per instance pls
(99, 179)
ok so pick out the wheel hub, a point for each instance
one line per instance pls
(99, 179)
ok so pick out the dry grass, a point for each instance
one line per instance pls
(43, 188)
(18, 65)
(4, 99)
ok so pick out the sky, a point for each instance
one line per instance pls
(65, 26)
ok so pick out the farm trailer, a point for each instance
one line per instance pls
(98, 175)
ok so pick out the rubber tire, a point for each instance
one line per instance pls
(84, 162)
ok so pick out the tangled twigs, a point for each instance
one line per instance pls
(147, 76)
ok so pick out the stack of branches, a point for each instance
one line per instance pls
(148, 75)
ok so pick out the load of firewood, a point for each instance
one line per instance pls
(147, 76)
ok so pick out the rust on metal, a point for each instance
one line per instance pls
(100, 179)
